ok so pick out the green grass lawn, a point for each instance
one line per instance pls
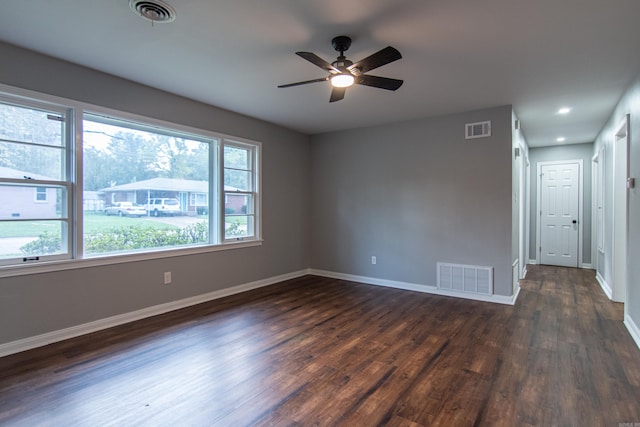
(99, 222)
(242, 220)
(92, 223)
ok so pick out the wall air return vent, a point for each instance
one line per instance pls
(465, 278)
(477, 130)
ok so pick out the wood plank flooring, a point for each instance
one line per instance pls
(322, 352)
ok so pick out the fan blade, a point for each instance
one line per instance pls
(337, 93)
(379, 82)
(378, 59)
(305, 82)
(316, 60)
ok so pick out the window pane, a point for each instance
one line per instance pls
(238, 226)
(32, 202)
(32, 238)
(18, 161)
(238, 204)
(237, 180)
(41, 194)
(237, 158)
(164, 174)
(199, 199)
(29, 125)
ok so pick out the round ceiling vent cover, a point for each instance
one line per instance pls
(153, 10)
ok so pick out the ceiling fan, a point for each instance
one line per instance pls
(344, 73)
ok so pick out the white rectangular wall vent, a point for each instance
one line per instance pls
(477, 130)
(465, 278)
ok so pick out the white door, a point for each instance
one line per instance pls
(559, 208)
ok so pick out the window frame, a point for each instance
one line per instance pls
(65, 182)
(75, 258)
(254, 176)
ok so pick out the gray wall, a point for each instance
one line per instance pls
(413, 194)
(582, 152)
(36, 304)
(628, 104)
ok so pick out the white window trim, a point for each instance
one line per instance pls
(76, 111)
(34, 100)
(255, 190)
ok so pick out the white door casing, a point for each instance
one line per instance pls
(559, 198)
(620, 211)
(522, 244)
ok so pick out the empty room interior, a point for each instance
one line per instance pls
(403, 213)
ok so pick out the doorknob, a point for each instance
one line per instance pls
(574, 221)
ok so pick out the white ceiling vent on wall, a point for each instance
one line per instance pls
(465, 278)
(477, 130)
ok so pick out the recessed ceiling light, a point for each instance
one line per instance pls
(564, 110)
(561, 139)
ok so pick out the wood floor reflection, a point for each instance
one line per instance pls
(318, 351)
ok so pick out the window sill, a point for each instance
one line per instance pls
(47, 267)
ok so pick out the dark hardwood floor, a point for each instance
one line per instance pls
(317, 351)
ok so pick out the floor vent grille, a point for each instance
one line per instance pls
(465, 278)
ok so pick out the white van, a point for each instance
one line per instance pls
(162, 206)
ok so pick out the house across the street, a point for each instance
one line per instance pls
(191, 194)
(26, 201)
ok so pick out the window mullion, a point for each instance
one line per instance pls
(76, 172)
(215, 170)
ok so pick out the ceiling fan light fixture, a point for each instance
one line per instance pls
(342, 80)
(344, 73)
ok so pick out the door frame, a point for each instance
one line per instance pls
(580, 207)
(620, 267)
(523, 242)
(527, 209)
(598, 218)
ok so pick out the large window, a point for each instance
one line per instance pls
(129, 185)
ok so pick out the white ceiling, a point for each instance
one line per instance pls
(458, 55)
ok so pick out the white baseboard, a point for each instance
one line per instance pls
(499, 299)
(532, 262)
(633, 329)
(524, 273)
(514, 298)
(604, 285)
(86, 328)
(587, 266)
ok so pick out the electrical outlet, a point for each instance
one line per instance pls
(167, 277)
(373, 260)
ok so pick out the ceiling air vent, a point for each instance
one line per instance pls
(153, 10)
(477, 130)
